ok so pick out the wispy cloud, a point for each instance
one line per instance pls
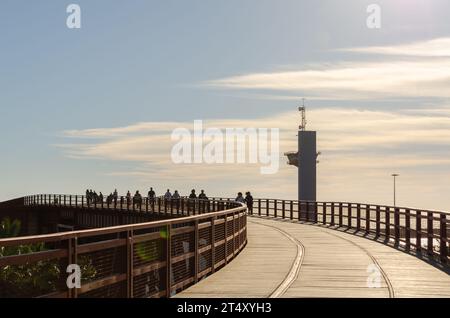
(432, 48)
(426, 75)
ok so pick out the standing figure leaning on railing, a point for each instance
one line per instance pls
(249, 202)
(204, 201)
(202, 195)
(176, 200)
(115, 196)
(151, 198)
(167, 198)
(128, 199)
(192, 199)
(240, 198)
(137, 200)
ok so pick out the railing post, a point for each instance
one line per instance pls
(275, 209)
(378, 220)
(308, 218)
(367, 219)
(340, 214)
(234, 236)
(168, 262)
(259, 207)
(267, 207)
(443, 238)
(291, 210)
(408, 229)
(239, 230)
(283, 209)
(387, 221)
(430, 233)
(130, 264)
(226, 238)
(213, 244)
(70, 260)
(324, 211)
(397, 226)
(419, 231)
(358, 217)
(196, 258)
(75, 261)
(349, 215)
(332, 214)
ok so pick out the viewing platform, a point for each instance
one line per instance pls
(219, 248)
(292, 260)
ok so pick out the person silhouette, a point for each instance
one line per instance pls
(240, 198)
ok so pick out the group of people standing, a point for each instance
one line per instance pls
(248, 200)
(113, 198)
(176, 195)
(93, 198)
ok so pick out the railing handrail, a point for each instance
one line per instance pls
(219, 198)
(343, 202)
(182, 250)
(117, 228)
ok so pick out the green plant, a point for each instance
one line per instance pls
(33, 279)
(9, 228)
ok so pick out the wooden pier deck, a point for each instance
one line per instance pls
(289, 259)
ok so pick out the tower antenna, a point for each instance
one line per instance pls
(302, 109)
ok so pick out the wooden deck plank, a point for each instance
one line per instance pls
(256, 272)
(335, 264)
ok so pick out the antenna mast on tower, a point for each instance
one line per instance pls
(302, 109)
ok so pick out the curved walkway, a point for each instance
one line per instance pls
(284, 259)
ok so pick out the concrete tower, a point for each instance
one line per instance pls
(305, 159)
(307, 163)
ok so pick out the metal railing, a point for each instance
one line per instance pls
(426, 232)
(157, 259)
(153, 259)
(159, 205)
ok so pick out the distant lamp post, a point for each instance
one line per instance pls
(395, 175)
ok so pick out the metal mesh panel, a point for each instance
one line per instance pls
(182, 270)
(219, 232)
(205, 261)
(204, 237)
(107, 262)
(147, 252)
(149, 284)
(220, 253)
(230, 247)
(182, 243)
(230, 228)
(117, 290)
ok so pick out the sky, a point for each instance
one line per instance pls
(95, 107)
